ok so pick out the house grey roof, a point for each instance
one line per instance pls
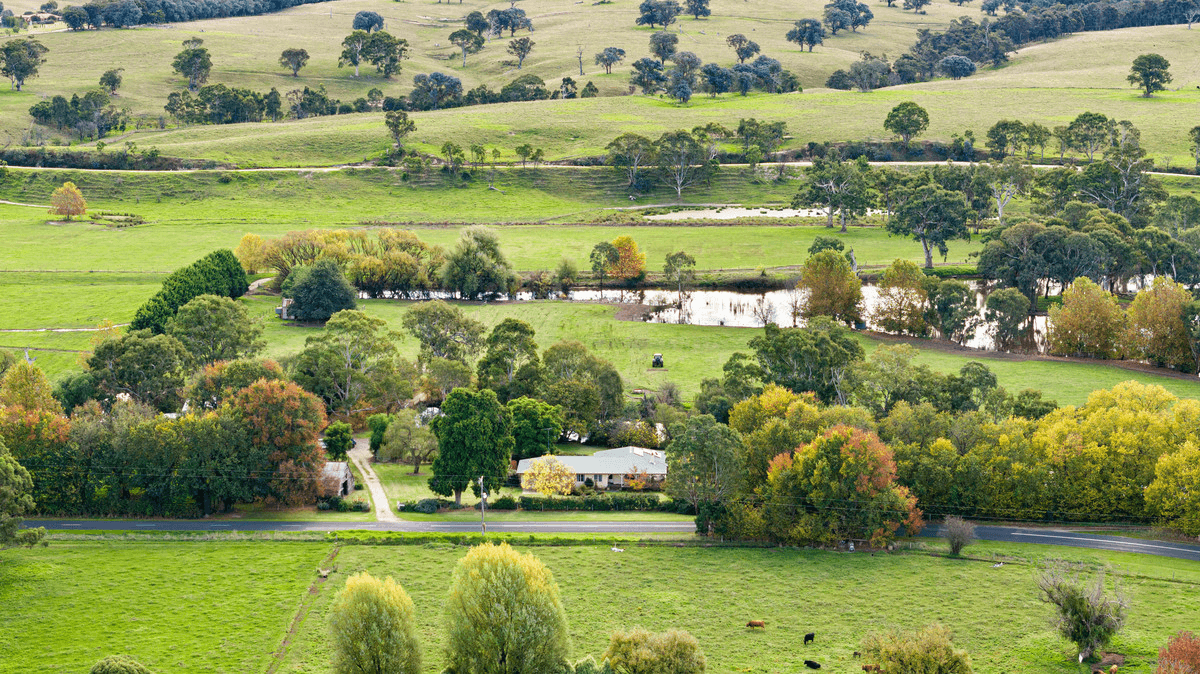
(620, 461)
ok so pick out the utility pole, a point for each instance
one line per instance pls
(482, 507)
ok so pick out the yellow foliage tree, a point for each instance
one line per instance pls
(1089, 322)
(67, 201)
(548, 476)
(504, 615)
(631, 263)
(373, 628)
(1174, 495)
(251, 251)
(26, 386)
(1156, 329)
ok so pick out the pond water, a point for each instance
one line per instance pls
(753, 309)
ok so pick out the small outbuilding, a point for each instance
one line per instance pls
(339, 478)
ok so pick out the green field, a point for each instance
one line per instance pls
(691, 352)
(214, 606)
(1049, 83)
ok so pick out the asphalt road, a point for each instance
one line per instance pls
(1059, 537)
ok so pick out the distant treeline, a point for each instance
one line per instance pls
(124, 13)
(991, 40)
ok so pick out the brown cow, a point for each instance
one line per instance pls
(756, 623)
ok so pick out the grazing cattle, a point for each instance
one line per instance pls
(756, 623)
(812, 665)
(809, 637)
(870, 668)
(1112, 670)
(857, 654)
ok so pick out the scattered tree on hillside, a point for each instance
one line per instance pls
(1006, 311)
(742, 47)
(610, 57)
(663, 45)
(467, 41)
(193, 62)
(682, 160)
(917, 6)
(658, 12)
(697, 8)
(647, 75)
(368, 21)
(352, 49)
(20, 59)
(520, 47)
(1151, 73)
(476, 23)
(111, 80)
(67, 201)
(399, 125)
(808, 32)
(294, 59)
(385, 52)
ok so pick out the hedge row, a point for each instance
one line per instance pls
(118, 160)
(603, 503)
(218, 273)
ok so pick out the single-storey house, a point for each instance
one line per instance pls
(613, 468)
(339, 477)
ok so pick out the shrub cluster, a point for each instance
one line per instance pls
(218, 273)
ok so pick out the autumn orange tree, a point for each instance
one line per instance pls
(67, 201)
(631, 263)
(842, 485)
(285, 420)
(1090, 322)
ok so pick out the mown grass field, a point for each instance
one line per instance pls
(1049, 83)
(215, 606)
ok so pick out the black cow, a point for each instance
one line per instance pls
(812, 665)
(809, 637)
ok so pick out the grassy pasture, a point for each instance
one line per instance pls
(177, 608)
(1049, 82)
(219, 606)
